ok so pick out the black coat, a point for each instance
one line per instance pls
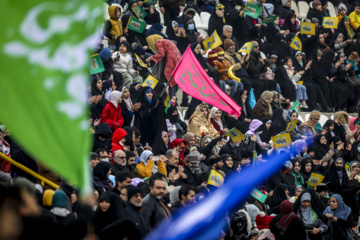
(282, 177)
(234, 152)
(295, 231)
(153, 212)
(192, 179)
(100, 130)
(283, 11)
(136, 214)
(239, 26)
(312, 13)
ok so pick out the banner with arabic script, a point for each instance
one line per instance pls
(193, 80)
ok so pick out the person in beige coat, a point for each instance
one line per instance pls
(200, 123)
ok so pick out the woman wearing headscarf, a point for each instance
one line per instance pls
(101, 175)
(200, 123)
(271, 29)
(172, 31)
(275, 104)
(323, 151)
(147, 167)
(217, 19)
(263, 107)
(110, 209)
(306, 169)
(290, 24)
(216, 121)
(179, 145)
(97, 98)
(299, 179)
(329, 129)
(190, 138)
(161, 143)
(342, 129)
(128, 109)
(176, 127)
(319, 75)
(308, 128)
(356, 151)
(278, 44)
(287, 225)
(339, 219)
(294, 192)
(111, 113)
(337, 177)
(322, 46)
(265, 135)
(228, 166)
(151, 117)
(309, 209)
(278, 123)
(280, 194)
(293, 116)
(241, 99)
(156, 28)
(282, 78)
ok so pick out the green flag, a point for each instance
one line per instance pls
(150, 2)
(96, 65)
(296, 107)
(140, 13)
(136, 25)
(255, 193)
(252, 10)
(269, 19)
(45, 52)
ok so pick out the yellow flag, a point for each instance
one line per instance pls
(217, 40)
(141, 63)
(246, 48)
(215, 179)
(296, 43)
(167, 100)
(281, 140)
(208, 42)
(150, 81)
(300, 82)
(235, 135)
(314, 180)
(291, 125)
(307, 28)
(330, 22)
(350, 31)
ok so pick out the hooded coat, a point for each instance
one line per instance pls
(100, 180)
(102, 129)
(116, 138)
(198, 124)
(113, 27)
(111, 113)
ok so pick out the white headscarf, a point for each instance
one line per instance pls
(114, 97)
(127, 101)
(212, 113)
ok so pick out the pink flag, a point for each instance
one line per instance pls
(192, 79)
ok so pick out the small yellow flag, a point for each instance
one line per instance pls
(314, 180)
(281, 140)
(330, 22)
(141, 63)
(208, 42)
(307, 28)
(235, 135)
(217, 40)
(215, 179)
(350, 31)
(291, 125)
(150, 81)
(296, 43)
(246, 48)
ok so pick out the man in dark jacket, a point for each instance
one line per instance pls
(119, 163)
(216, 164)
(122, 179)
(257, 66)
(227, 32)
(285, 9)
(174, 171)
(186, 196)
(155, 209)
(191, 169)
(134, 210)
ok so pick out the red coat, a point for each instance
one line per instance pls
(118, 135)
(168, 51)
(174, 144)
(112, 116)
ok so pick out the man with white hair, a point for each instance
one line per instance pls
(119, 162)
(228, 33)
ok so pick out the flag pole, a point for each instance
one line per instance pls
(29, 171)
(163, 91)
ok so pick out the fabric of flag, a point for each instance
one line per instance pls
(252, 10)
(314, 180)
(307, 28)
(204, 220)
(347, 166)
(296, 43)
(52, 41)
(235, 135)
(140, 13)
(150, 81)
(136, 25)
(330, 22)
(96, 65)
(141, 63)
(215, 178)
(281, 140)
(296, 107)
(291, 126)
(217, 40)
(255, 193)
(193, 80)
(269, 19)
(350, 31)
(246, 48)
(208, 43)
(150, 2)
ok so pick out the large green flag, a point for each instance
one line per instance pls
(45, 49)
(252, 10)
(136, 25)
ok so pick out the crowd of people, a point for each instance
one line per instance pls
(148, 164)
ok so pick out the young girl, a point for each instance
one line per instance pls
(215, 118)
(295, 77)
(123, 63)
